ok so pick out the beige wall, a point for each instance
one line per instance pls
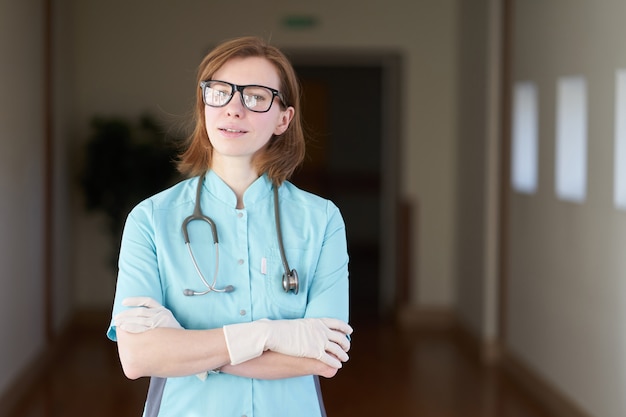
(567, 286)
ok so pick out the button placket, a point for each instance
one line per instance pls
(242, 233)
(242, 230)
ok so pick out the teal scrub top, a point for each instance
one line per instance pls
(154, 262)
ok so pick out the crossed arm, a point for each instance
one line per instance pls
(168, 352)
(152, 343)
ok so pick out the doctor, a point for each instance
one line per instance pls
(218, 332)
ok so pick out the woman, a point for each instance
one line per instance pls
(212, 311)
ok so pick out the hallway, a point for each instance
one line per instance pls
(390, 373)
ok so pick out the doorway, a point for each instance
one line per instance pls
(351, 160)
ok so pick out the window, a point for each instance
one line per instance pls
(524, 138)
(619, 190)
(571, 139)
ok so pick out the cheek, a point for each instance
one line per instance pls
(208, 120)
(207, 116)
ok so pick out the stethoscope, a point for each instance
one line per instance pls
(290, 276)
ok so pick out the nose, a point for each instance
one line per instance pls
(235, 106)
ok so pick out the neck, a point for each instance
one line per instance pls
(237, 176)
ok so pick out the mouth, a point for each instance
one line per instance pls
(228, 130)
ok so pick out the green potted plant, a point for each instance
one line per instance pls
(125, 163)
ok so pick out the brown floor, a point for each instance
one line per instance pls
(390, 373)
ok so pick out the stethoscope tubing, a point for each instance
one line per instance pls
(290, 281)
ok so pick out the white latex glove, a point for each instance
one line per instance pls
(147, 314)
(323, 339)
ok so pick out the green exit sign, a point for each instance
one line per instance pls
(300, 22)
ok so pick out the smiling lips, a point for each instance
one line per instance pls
(232, 132)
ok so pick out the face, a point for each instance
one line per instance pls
(235, 131)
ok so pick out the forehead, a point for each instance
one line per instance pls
(249, 70)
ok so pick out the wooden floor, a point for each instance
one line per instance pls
(391, 372)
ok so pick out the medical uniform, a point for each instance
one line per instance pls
(154, 262)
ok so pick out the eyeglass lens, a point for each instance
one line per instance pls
(255, 98)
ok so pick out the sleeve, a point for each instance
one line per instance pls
(328, 294)
(138, 273)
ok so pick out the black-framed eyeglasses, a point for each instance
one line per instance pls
(256, 98)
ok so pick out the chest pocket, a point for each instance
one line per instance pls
(287, 304)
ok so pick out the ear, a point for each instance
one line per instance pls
(284, 120)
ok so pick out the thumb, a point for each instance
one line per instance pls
(140, 302)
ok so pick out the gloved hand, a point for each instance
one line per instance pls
(324, 339)
(147, 314)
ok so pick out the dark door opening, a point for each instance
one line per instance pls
(342, 108)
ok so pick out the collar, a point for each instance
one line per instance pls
(260, 189)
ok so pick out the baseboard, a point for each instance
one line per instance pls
(487, 352)
(492, 353)
(495, 354)
(550, 397)
(19, 389)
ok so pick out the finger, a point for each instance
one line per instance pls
(330, 361)
(140, 302)
(130, 316)
(136, 312)
(338, 325)
(340, 339)
(336, 351)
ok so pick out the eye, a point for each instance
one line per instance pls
(217, 93)
(251, 101)
(257, 98)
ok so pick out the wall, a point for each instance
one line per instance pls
(21, 162)
(470, 242)
(140, 56)
(566, 291)
(62, 245)
(478, 153)
(22, 137)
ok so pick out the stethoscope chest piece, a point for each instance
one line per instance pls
(291, 281)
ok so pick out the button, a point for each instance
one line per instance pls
(240, 262)
(240, 215)
(242, 312)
